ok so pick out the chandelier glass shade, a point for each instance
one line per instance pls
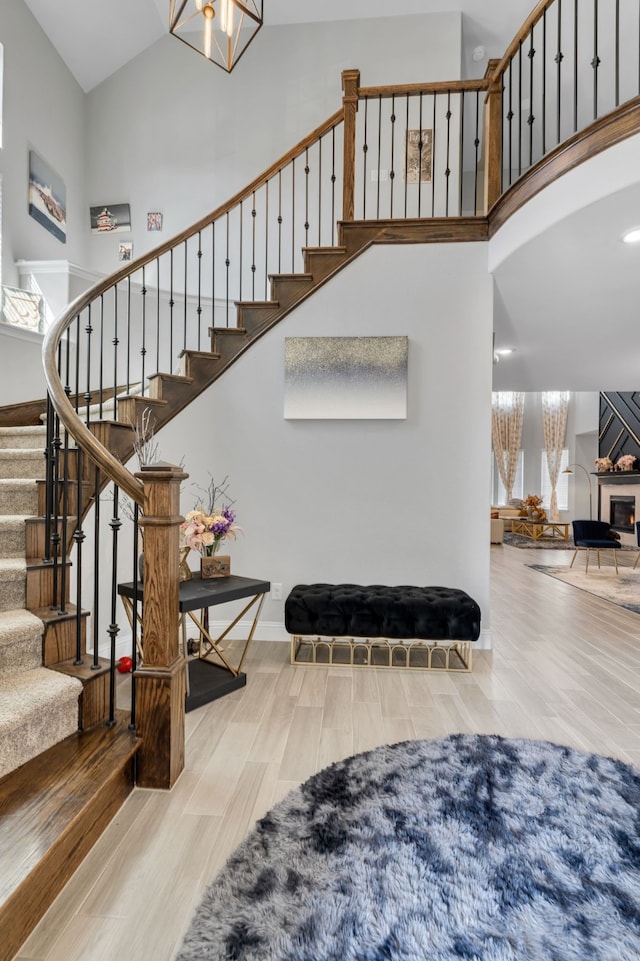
(220, 30)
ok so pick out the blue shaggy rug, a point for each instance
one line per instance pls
(472, 847)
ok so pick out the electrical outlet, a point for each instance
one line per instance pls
(276, 592)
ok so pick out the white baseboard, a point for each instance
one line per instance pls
(484, 642)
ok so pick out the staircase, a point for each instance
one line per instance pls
(58, 787)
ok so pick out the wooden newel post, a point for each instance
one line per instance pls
(350, 84)
(160, 681)
(493, 136)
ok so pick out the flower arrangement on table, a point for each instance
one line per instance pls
(534, 508)
(206, 528)
(626, 462)
(603, 464)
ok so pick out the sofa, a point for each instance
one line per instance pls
(501, 517)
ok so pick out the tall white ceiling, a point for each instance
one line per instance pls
(96, 37)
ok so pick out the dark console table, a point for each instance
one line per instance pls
(211, 674)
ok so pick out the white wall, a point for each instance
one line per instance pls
(172, 132)
(361, 501)
(44, 109)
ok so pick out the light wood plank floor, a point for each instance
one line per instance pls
(565, 667)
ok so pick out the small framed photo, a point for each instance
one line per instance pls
(109, 218)
(154, 220)
(125, 250)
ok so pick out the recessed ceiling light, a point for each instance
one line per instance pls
(631, 236)
(503, 351)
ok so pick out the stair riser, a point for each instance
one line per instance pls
(35, 536)
(22, 655)
(287, 291)
(18, 500)
(321, 265)
(39, 589)
(13, 540)
(94, 703)
(59, 642)
(25, 438)
(71, 498)
(12, 593)
(22, 463)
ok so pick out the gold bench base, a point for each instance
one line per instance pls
(413, 655)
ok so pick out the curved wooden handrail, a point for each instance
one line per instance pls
(415, 89)
(522, 34)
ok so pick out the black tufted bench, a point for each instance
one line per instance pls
(418, 627)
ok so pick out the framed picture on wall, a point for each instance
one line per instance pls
(47, 197)
(154, 220)
(419, 159)
(125, 250)
(110, 218)
(345, 378)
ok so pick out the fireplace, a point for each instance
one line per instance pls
(622, 513)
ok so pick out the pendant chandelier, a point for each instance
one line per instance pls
(220, 30)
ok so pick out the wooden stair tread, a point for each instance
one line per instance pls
(174, 378)
(258, 304)
(52, 811)
(85, 671)
(301, 276)
(228, 330)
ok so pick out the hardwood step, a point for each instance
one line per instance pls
(289, 289)
(322, 261)
(94, 700)
(256, 316)
(39, 583)
(52, 811)
(71, 497)
(169, 387)
(59, 639)
(131, 408)
(35, 536)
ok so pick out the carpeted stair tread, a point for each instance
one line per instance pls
(13, 535)
(23, 437)
(38, 708)
(13, 578)
(21, 462)
(20, 641)
(18, 496)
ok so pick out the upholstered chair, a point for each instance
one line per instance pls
(594, 536)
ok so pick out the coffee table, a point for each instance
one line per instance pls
(540, 530)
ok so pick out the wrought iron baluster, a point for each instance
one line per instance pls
(320, 192)
(113, 630)
(476, 144)
(447, 171)
(199, 304)
(227, 264)
(135, 631)
(279, 222)
(293, 213)
(617, 55)
(185, 297)
(333, 185)
(510, 120)
(79, 538)
(531, 118)
(520, 109)
(213, 274)
(76, 350)
(87, 394)
(406, 157)
(101, 359)
(392, 173)
(544, 82)
(157, 313)
(240, 250)
(595, 63)
(433, 156)
(143, 347)
(461, 98)
(306, 197)
(49, 454)
(420, 146)
(253, 247)
(95, 660)
(558, 59)
(379, 154)
(266, 240)
(575, 65)
(128, 351)
(171, 306)
(365, 150)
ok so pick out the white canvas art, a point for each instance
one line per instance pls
(346, 378)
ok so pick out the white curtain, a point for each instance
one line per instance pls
(555, 404)
(507, 408)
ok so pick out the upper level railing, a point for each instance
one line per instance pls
(419, 151)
